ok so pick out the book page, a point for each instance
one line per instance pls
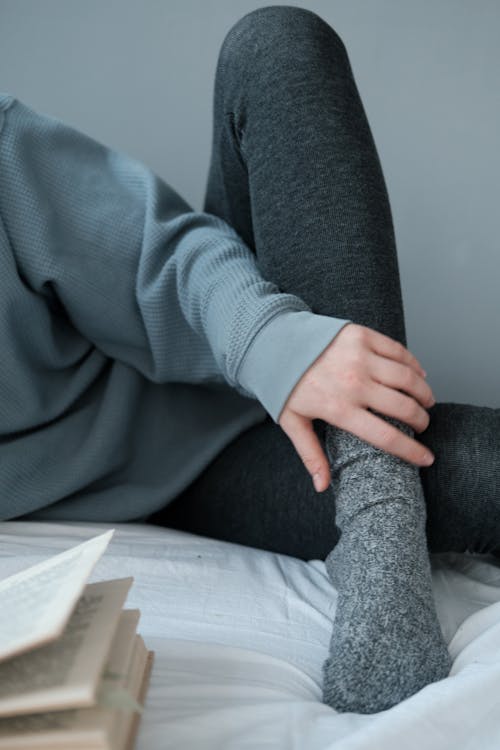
(35, 604)
(111, 693)
(66, 672)
(133, 724)
(122, 730)
(85, 727)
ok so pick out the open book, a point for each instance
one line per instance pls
(73, 669)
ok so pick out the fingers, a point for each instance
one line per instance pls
(387, 347)
(398, 405)
(388, 438)
(301, 432)
(403, 377)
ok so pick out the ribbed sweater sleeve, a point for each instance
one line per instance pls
(170, 291)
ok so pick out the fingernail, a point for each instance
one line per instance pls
(317, 482)
(428, 459)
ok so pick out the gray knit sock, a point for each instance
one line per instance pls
(386, 642)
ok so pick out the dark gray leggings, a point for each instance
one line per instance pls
(295, 171)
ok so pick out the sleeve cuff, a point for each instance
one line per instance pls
(281, 352)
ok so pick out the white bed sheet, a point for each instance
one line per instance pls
(240, 636)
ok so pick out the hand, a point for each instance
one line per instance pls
(361, 369)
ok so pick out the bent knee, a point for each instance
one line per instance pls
(273, 27)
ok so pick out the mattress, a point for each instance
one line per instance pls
(240, 636)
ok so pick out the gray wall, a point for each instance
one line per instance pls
(138, 75)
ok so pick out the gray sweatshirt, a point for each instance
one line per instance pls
(138, 337)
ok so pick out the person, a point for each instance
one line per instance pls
(196, 369)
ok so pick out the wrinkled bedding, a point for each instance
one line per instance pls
(240, 636)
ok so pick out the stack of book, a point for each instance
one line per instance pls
(73, 669)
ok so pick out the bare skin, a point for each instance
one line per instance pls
(361, 369)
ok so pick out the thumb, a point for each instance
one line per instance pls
(308, 446)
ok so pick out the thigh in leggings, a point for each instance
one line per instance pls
(256, 492)
(295, 171)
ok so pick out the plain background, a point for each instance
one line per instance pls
(138, 76)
